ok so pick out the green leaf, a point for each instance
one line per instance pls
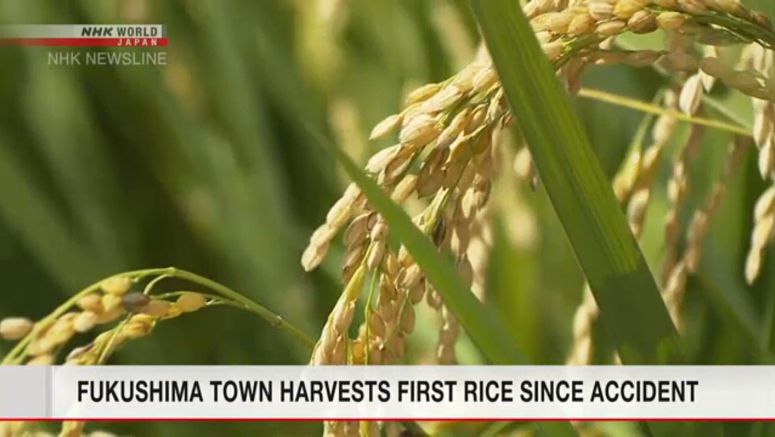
(480, 322)
(631, 308)
(28, 211)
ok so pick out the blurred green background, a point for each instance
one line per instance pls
(204, 165)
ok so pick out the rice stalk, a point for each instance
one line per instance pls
(437, 118)
(676, 268)
(442, 119)
(130, 297)
(761, 62)
(697, 230)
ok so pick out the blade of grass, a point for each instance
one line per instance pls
(733, 302)
(719, 294)
(480, 322)
(631, 308)
(31, 215)
(80, 167)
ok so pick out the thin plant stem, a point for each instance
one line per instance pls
(152, 283)
(273, 319)
(707, 99)
(642, 106)
(108, 349)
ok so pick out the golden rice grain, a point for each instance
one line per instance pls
(642, 22)
(117, 285)
(15, 328)
(691, 95)
(91, 302)
(190, 302)
(385, 127)
(671, 20)
(421, 94)
(111, 302)
(156, 308)
(85, 321)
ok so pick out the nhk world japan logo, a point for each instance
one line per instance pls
(123, 44)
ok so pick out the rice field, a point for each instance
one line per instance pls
(394, 182)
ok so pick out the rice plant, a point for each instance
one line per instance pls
(560, 181)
